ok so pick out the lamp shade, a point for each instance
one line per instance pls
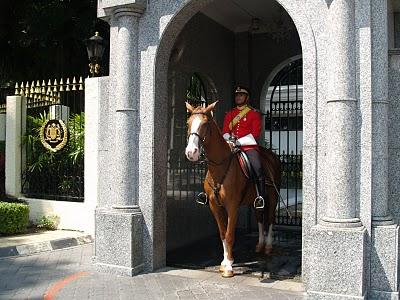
(95, 47)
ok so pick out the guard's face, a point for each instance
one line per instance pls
(241, 98)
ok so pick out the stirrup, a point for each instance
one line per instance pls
(259, 202)
(202, 198)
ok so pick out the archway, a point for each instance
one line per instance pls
(185, 15)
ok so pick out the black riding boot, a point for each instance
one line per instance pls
(259, 202)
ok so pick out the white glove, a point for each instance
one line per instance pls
(247, 140)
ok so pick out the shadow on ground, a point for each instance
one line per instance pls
(283, 263)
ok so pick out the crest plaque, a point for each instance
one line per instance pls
(54, 135)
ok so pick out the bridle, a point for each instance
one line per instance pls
(202, 140)
(216, 186)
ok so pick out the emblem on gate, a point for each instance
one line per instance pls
(54, 135)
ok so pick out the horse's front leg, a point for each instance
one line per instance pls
(229, 241)
(221, 218)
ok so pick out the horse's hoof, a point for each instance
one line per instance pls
(227, 274)
(222, 268)
(260, 248)
(268, 250)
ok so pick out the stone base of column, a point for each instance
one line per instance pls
(381, 295)
(384, 261)
(336, 260)
(119, 241)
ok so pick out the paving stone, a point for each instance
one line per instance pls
(30, 277)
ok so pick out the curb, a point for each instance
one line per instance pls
(34, 248)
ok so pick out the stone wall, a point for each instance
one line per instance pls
(394, 134)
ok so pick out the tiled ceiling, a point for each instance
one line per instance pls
(396, 5)
(236, 15)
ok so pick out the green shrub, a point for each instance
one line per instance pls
(48, 222)
(14, 217)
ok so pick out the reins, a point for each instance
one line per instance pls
(217, 187)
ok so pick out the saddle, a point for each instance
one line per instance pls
(245, 165)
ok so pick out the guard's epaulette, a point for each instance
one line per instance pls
(252, 108)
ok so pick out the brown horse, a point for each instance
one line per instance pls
(226, 185)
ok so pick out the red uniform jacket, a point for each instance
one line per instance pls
(249, 124)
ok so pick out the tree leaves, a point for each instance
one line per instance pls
(44, 38)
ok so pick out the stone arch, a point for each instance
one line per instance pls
(271, 76)
(309, 50)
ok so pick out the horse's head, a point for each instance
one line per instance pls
(198, 128)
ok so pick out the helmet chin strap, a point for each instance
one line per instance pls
(241, 106)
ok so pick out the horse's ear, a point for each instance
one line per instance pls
(189, 107)
(211, 107)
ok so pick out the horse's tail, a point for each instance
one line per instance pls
(272, 165)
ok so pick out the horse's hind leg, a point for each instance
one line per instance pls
(261, 238)
(268, 246)
(270, 218)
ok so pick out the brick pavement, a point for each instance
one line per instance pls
(29, 277)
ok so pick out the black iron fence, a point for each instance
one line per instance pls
(284, 127)
(53, 175)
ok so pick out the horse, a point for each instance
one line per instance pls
(226, 185)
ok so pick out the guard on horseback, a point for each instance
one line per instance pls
(242, 128)
(226, 185)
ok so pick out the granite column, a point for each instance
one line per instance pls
(341, 106)
(338, 252)
(119, 226)
(379, 85)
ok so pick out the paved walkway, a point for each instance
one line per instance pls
(40, 236)
(68, 274)
(41, 241)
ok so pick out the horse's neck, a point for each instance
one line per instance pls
(217, 150)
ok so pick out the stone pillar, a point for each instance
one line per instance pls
(16, 113)
(384, 232)
(341, 106)
(97, 165)
(337, 251)
(59, 112)
(379, 86)
(119, 233)
(126, 108)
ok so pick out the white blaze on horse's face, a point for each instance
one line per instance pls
(193, 146)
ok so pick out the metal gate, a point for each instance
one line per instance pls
(53, 175)
(185, 179)
(284, 126)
